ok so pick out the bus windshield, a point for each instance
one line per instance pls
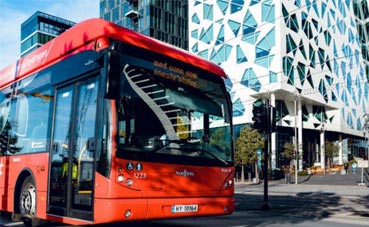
(165, 111)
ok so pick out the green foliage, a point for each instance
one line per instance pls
(288, 152)
(331, 149)
(247, 144)
(9, 138)
(303, 173)
(217, 138)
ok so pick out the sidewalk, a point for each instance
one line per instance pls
(318, 197)
(346, 185)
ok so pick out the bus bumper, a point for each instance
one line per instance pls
(114, 210)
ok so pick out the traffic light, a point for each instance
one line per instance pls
(259, 117)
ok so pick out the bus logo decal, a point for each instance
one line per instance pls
(224, 170)
(38, 58)
(185, 173)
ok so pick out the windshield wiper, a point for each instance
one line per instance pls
(166, 143)
(192, 148)
(201, 151)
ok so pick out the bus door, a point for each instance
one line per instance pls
(72, 158)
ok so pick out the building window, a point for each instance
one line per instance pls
(102, 7)
(208, 12)
(116, 15)
(111, 4)
(107, 16)
(273, 77)
(268, 14)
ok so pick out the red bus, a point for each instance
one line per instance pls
(103, 124)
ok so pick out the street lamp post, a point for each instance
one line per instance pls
(366, 134)
(295, 141)
(322, 140)
(322, 148)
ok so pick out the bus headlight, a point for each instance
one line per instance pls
(228, 184)
(120, 178)
(128, 213)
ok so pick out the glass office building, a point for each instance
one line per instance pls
(39, 29)
(163, 20)
(307, 57)
(361, 10)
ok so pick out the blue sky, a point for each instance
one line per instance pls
(14, 12)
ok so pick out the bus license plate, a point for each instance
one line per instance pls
(184, 208)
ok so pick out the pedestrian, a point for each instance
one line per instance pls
(346, 165)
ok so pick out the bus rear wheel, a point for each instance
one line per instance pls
(27, 203)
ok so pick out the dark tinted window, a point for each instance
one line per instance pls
(24, 118)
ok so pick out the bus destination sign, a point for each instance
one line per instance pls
(165, 70)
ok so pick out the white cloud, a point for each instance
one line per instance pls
(14, 15)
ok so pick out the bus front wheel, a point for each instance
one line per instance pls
(27, 203)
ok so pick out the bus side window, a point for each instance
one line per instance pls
(4, 119)
(4, 135)
(27, 130)
(9, 134)
(40, 102)
(38, 138)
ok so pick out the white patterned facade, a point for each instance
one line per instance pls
(304, 56)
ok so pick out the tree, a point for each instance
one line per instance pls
(331, 151)
(289, 154)
(247, 144)
(218, 138)
(8, 140)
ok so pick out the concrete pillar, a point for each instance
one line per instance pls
(317, 150)
(340, 156)
(273, 138)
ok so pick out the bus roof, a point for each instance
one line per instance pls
(79, 36)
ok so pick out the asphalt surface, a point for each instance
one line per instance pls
(323, 200)
(316, 196)
(331, 182)
(336, 178)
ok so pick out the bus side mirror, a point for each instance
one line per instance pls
(113, 70)
(55, 147)
(91, 144)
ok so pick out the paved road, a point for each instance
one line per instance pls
(318, 196)
(239, 219)
(336, 178)
(318, 200)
